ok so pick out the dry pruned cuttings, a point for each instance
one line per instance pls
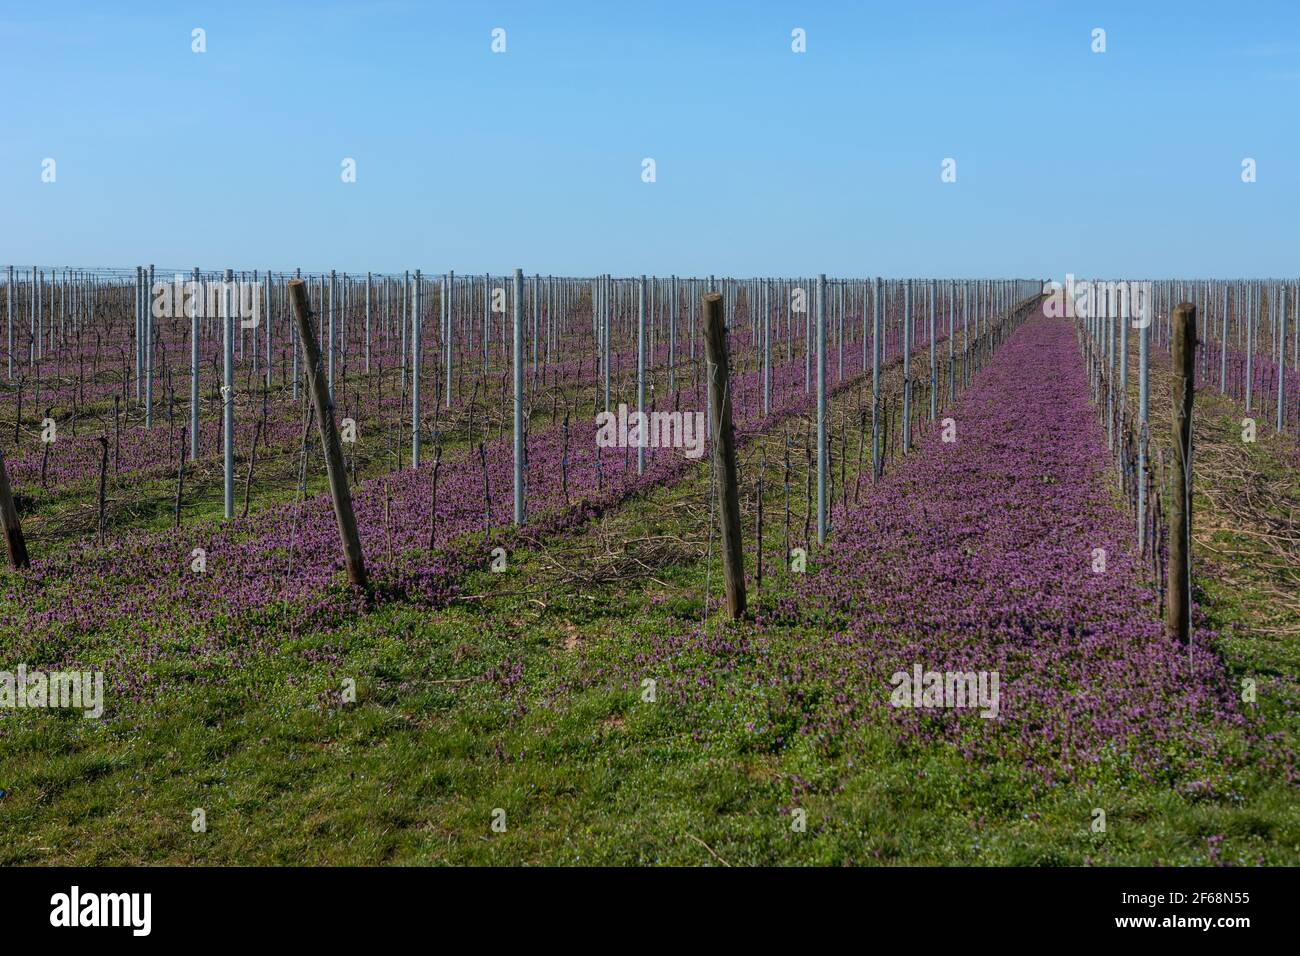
(604, 557)
(1237, 499)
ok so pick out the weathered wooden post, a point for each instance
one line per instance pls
(1178, 618)
(724, 454)
(103, 482)
(9, 518)
(329, 437)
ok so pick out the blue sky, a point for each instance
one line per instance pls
(1126, 163)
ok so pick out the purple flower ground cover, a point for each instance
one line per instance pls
(277, 575)
(977, 555)
(539, 710)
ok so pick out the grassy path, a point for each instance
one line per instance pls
(530, 699)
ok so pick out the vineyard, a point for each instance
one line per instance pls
(516, 569)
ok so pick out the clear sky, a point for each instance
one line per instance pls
(1122, 163)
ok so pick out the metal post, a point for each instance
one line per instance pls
(934, 357)
(821, 409)
(268, 295)
(1123, 321)
(416, 312)
(841, 311)
(146, 321)
(640, 376)
(1143, 420)
(196, 311)
(807, 344)
(518, 363)
(1108, 344)
(537, 317)
(1250, 348)
(451, 293)
(952, 345)
(1178, 620)
(330, 347)
(1281, 360)
(228, 394)
(609, 322)
(767, 350)
(672, 340)
(876, 327)
(139, 329)
(404, 328)
(907, 365)
(9, 311)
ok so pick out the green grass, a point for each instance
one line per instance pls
(442, 735)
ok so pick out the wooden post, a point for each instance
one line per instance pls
(724, 454)
(329, 437)
(433, 512)
(9, 518)
(103, 480)
(1178, 617)
(248, 477)
(180, 481)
